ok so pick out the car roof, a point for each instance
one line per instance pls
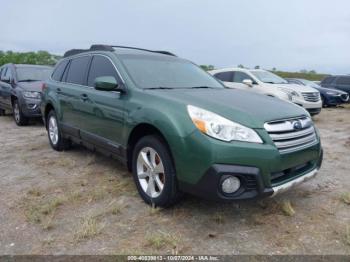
(28, 65)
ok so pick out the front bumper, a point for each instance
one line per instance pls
(31, 107)
(262, 170)
(307, 104)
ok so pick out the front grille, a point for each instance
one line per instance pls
(344, 97)
(291, 135)
(311, 96)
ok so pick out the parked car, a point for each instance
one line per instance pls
(176, 127)
(20, 90)
(329, 97)
(267, 83)
(340, 82)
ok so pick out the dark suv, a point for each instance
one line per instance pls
(20, 90)
(176, 127)
(341, 82)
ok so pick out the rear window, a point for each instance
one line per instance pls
(77, 70)
(57, 74)
(343, 80)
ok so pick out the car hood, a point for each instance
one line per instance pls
(31, 86)
(294, 87)
(247, 108)
(323, 90)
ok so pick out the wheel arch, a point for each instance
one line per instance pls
(139, 131)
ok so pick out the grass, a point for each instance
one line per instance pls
(37, 212)
(345, 197)
(287, 208)
(89, 228)
(347, 235)
(218, 217)
(161, 240)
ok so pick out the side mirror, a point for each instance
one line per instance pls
(248, 82)
(106, 83)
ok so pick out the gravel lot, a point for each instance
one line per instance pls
(78, 202)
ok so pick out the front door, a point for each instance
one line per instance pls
(104, 113)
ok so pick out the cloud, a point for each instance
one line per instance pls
(289, 35)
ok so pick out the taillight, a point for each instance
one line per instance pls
(43, 87)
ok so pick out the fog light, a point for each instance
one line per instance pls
(230, 184)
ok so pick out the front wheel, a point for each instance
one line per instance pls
(56, 139)
(18, 116)
(154, 172)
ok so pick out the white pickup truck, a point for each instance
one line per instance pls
(267, 83)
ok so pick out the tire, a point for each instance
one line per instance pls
(18, 116)
(144, 178)
(323, 100)
(54, 133)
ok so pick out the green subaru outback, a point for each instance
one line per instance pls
(177, 128)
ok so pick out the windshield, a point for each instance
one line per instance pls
(32, 73)
(309, 83)
(166, 72)
(268, 77)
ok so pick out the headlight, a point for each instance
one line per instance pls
(332, 93)
(221, 128)
(31, 94)
(290, 93)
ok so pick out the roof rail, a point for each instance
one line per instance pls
(143, 49)
(110, 49)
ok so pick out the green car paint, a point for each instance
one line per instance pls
(113, 117)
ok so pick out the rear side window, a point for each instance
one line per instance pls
(343, 80)
(327, 80)
(224, 76)
(57, 74)
(238, 77)
(77, 70)
(101, 66)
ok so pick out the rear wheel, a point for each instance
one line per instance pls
(154, 172)
(18, 116)
(56, 139)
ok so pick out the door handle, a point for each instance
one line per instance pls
(58, 90)
(84, 97)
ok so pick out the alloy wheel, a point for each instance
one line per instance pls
(150, 172)
(53, 130)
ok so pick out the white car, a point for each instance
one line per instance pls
(267, 83)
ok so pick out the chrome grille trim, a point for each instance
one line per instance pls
(311, 96)
(292, 135)
(307, 131)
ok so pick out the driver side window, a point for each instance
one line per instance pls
(100, 66)
(238, 77)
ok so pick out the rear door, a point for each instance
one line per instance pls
(69, 93)
(103, 118)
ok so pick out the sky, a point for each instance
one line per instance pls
(288, 35)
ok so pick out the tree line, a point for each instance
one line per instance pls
(34, 58)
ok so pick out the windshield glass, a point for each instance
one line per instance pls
(33, 73)
(268, 77)
(309, 83)
(166, 72)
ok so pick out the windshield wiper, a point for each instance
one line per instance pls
(28, 80)
(159, 87)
